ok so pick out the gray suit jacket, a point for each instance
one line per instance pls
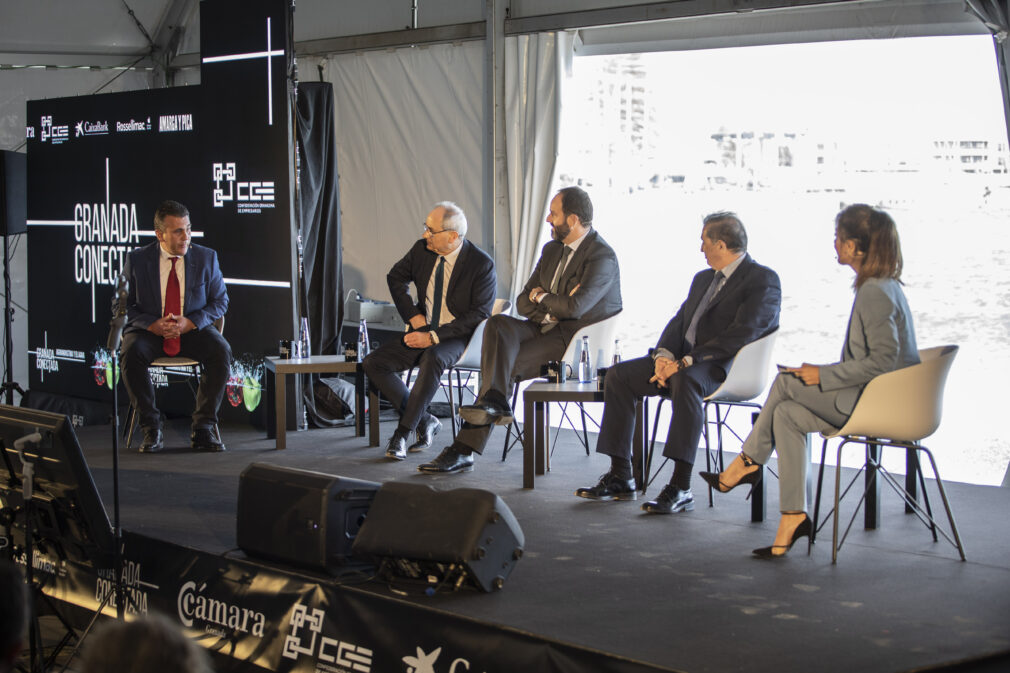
(593, 269)
(881, 338)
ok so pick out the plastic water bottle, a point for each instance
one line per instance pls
(303, 338)
(585, 369)
(617, 352)
(362, 340)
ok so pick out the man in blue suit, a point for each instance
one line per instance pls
(732, 303)
(161, 322)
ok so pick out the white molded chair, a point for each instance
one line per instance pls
(746, 379)
(897, 409)
(601, 341)
(469, 362)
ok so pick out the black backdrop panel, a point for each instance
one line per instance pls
(99, 165)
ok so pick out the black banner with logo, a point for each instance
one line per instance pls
(252, 614)
(99, 165)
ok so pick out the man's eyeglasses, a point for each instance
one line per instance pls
(431, 232)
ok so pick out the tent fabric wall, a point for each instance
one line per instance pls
(534, 72)
(409, 128)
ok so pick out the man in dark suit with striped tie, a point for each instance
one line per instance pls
(576, 282)
(176, 293)
(456, 283)
(731, 303)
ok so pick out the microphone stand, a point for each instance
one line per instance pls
(35, 664)
(116, 326)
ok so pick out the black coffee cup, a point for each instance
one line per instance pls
(556, 372)
(601, 374)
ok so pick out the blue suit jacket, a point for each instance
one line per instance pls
(205, 297)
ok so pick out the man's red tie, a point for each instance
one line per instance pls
(172, 305)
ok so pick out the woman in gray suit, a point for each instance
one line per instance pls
(819, 398)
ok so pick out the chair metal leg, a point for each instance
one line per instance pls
(871, 515)
(513, 434)
(585, 433)
(131, 425)
(946, 503)
(708, 446)
(648, 476)
(817, 524)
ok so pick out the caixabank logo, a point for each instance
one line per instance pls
(424, 662)
(305, 639)
(95, 128)
(249, 196)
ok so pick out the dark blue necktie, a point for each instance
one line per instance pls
(436, 311)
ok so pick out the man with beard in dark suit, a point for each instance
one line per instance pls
(734, 302)
(456, 284)
(575, 283)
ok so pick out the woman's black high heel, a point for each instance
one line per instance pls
(752, 478)
(803, 530)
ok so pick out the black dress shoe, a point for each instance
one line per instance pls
(153, 441)
(450, 460)
(426, 431)
(611, 487)
(487, 412)
(670, 501)
(206, 439)
(397, 447)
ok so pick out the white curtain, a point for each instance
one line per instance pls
(408, 132)
(535, 68)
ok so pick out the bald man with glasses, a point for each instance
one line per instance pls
(455, 284)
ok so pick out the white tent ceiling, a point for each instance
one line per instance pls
(114, 33)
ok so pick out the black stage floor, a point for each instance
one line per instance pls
(680, 591)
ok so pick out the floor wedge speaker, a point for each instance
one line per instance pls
(465, 534)
(300, 517)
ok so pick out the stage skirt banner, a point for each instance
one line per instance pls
(278, 619)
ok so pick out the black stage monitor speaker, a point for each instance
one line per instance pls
(13, 193)
(300, 517)
(466, 529)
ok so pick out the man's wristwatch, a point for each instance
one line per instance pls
(683, 363)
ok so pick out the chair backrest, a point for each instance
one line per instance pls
(748, 375)
(904, 405)
(601, 344)
(501, 306)
(470, 359)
